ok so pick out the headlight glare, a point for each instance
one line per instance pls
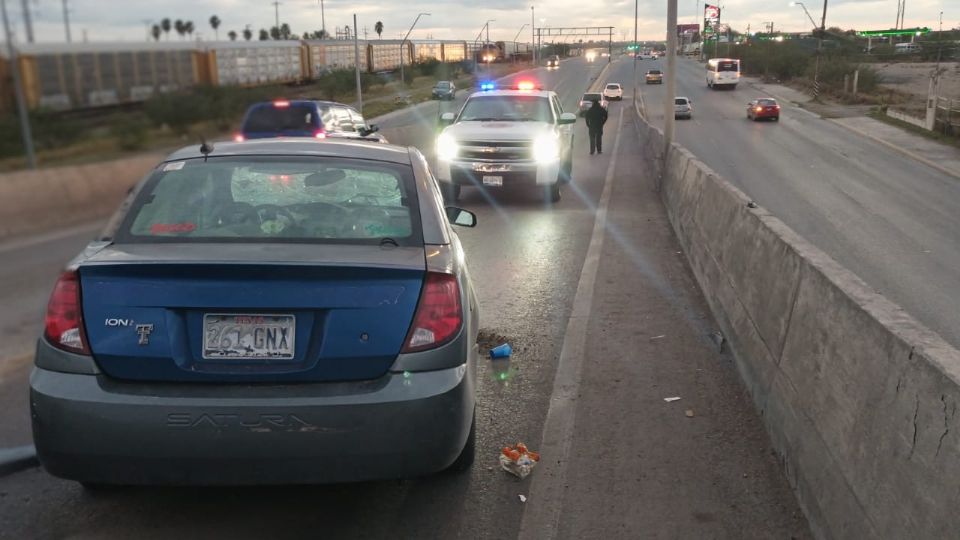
(447, 147)
(546, 149)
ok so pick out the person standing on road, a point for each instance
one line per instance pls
(596, 117)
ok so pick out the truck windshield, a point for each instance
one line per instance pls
(506, 108)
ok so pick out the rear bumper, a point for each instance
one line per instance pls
(92, 428)
(514, 174)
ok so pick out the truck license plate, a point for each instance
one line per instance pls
(492, 180)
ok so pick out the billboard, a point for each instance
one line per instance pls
(711, 17)
(688, 33)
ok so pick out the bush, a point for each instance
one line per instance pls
(130, 134)
(179, 110)
(782, 61)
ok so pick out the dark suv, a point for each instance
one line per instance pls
(305, 118)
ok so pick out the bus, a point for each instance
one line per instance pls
(723, 72)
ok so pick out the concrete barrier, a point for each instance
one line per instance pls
(859, 399)
(46, 199)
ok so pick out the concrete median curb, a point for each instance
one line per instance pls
(858, 398)
(901, 150)
(17, 459)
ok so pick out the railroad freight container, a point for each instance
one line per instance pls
(79, 75)
(329, 54)
(384, 55)
(454, 51)
(427, 50)
(251, 63)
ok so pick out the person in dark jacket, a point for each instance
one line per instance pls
(596, 117)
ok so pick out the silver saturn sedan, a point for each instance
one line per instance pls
(265, 312)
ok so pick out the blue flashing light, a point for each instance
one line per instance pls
(487, 86)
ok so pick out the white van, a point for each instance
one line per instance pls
(906, 48)
(723, 72)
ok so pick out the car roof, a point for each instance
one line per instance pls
(301, 101)
(613, 84)
(300, 146)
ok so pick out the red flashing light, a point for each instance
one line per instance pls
(281, 103)
(320, 134)
(525, 85)
(238, 138)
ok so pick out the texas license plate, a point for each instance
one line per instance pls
(492, 180)
(228, 336)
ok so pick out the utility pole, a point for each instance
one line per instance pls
(27, 22)
(636, 84)
(533, 35)
(402, 41)
(66, 19)
(356, 65)
(276, 14)
(323, 20)
(669, 95)
(18, 91)
(816, 65)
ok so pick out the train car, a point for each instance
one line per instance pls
(62, 76)
(454, 51)
(251, 63)
(384, 55)
(426, 50)
(330, 54)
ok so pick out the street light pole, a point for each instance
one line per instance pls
(66, 19)
(533, 35)
(636, 84)
(323, 20)
(813, 22)
(27, 20)
(404, 40)
(669, 95)
(18, 91)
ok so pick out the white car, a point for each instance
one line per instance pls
(682, 107)
(613, 91)
(506, 138)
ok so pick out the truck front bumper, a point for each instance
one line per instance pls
(472, 173)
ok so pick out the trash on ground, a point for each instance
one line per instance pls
(689, 413)
(671, 399)
(523, 498)
(658, 337)
(518, 460)
(501, 351)
(718, 339)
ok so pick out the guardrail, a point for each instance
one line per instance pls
(859, 399)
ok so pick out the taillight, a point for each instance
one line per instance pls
(64, 321)
(319, 134)
(238, 138)
(759, 109)
(439, 314)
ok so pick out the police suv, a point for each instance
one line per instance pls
(504, 138)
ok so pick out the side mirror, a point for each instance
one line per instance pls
(461, 217)
(369, 130)
(568, 118)
(447, 118)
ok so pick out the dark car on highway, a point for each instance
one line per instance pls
(444, 90)
(305, 118)
(264, 312)
(763, 108)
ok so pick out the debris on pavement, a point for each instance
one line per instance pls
(671, 399)
(719, 340)
(501, 351)
(689, 413)
(518, 460)
(523, 498)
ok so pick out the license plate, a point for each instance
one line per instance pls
(493, 180)
(228, 336)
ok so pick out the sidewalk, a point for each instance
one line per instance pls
(942, 157)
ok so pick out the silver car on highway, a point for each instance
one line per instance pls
(265, 312)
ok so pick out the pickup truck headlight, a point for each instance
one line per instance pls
(447, 147)
(546, 149)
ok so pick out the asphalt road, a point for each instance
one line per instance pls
(891, 220)
(633, 464)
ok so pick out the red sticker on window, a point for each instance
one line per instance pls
(166, 228)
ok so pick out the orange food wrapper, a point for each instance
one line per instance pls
(518, 460)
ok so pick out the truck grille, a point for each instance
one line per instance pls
(497, 151)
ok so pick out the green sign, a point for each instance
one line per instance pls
(894, 32)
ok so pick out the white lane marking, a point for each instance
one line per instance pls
(541, 516)
(72, 230)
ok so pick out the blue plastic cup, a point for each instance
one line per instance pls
(501, 351)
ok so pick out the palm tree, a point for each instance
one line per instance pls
(165, 26)
(264, 35)
(285, 31)
(247, 34)
(188, 28)
(155, 31)
(232, 35)
(215, 24)
(378, 28)
(180, 29)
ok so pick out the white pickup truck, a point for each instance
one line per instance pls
(506, 138)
